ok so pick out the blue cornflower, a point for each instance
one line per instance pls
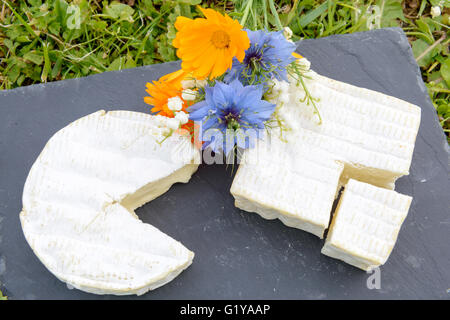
(231, 114)
(268, 56)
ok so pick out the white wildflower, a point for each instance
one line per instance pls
(304, 63)
(280, 91)
(189, 95)
(201, 83)
(188, 84)
(182, 117)
(435, 11)
(287, 32)
(175, 103)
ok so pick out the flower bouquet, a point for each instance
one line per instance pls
(230, 82)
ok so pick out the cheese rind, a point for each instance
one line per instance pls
(81, 193)
(365, 226)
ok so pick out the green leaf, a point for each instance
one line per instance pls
(13, 73)
(306, 19)
(98, 25)
(119, 11)
(10, 45)
(423, 4)
(419, 46)
(165, 49)
(34, 57)
(47, 63)
(385, 13)
(54, 27)
(57, 67)
(2, 297)
(60, 11)
(117, 64)
(190, 2)
(130, 63)
(444, 110)
(445, 71)
(15, 31)
(23, 39)
(20, 79)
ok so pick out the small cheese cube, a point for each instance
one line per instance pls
(365, 226)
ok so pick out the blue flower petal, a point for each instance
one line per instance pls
(273, 53)
(198, 111)
(231, 106)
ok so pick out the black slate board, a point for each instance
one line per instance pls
(238, 254)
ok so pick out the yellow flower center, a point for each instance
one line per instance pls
(220, 39)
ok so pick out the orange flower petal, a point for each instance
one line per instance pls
(202, 40)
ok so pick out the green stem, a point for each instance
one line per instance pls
(246, 11)
(275, 14)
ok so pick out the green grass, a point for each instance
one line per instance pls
(43, 41)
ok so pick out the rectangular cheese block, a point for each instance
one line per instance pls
(365, 225)
(373, 134)
(289, 181)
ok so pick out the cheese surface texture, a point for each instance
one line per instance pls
(365, 226)
(363, 135)
(371, 133)
(81, 193)
(288, 180)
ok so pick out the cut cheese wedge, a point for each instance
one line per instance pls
(364, 135)
(81, 193)
(365, 226)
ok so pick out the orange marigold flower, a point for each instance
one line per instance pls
(160, 91)
(296, 55)
(175, 77)
(207, 46)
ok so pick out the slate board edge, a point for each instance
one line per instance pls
(396, 30)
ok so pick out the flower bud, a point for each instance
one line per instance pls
(175, 103)
(189, 95)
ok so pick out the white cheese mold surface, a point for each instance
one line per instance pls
(81, 193)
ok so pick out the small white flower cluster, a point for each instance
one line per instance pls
(287, 32)
(181, 118)
(435, 11)
(304, 64)
(193, 83)
(189, 95)
(176, 104)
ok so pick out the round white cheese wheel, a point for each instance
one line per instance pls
(81, 193)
